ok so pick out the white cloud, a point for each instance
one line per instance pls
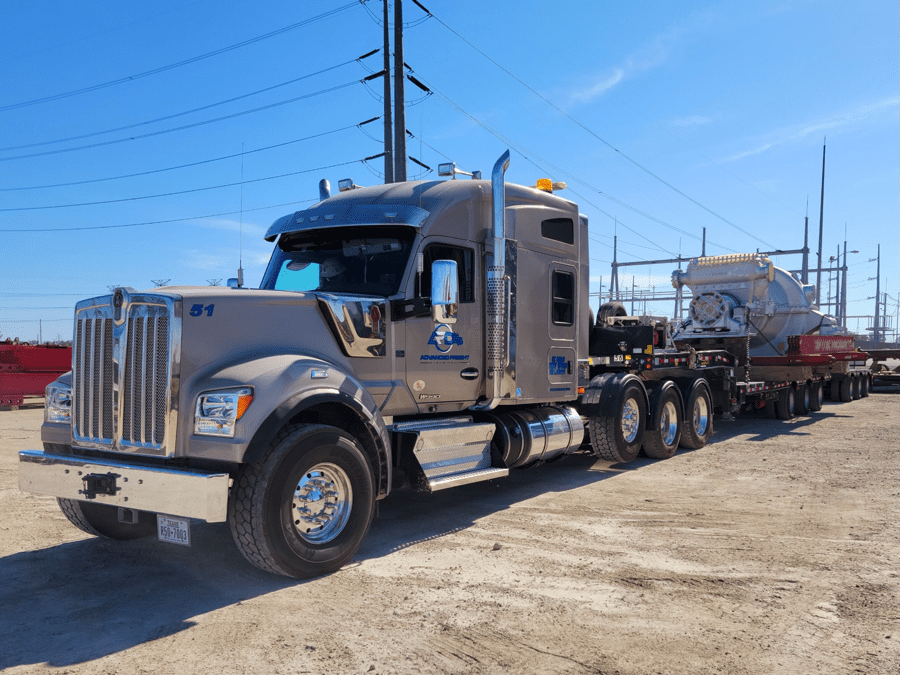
(599, 88)
(652, 55)
(691, 121)
(843, 120)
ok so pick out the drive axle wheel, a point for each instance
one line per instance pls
(618, 437)
(661, 442)
(304, 508)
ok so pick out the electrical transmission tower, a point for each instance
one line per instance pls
(160, 282)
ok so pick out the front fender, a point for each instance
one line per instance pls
(283, 386)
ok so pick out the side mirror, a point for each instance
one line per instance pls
(444, 291)
(233, 283)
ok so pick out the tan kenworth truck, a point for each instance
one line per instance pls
(419, 334)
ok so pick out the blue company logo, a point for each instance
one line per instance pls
(558, 365)
(443, 338)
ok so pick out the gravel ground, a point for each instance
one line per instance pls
(775, 549)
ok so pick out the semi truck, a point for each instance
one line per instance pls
(421, 335)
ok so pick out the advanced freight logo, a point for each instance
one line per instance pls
(443, 338)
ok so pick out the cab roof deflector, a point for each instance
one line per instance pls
(345, 215)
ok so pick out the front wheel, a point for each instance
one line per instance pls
(304, 509)
(102, 520)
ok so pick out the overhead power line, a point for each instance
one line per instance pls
(598, 137)
(178, 192)
(171, 66)
(178, 114)
(186, 126)
(182, 166)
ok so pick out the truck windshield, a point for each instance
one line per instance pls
(356, 260)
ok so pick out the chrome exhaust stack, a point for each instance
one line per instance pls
(497, 307)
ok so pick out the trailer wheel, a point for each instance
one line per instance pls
(698, 426)
(305, 507)
(864, 386)
(816, 396)
(102, 520)
(785, 408)
(801, 401)
(845, 390)
(662, 440)
(618, 437)
(854, 387)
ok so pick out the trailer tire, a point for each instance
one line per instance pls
(816, 396)
(618, 437)
(864, 386)
(102, 520)
(786, 407)
(845, 390)
(313, 473)
(802, 399)
(854, 387)
(663, 434)
(697, 428)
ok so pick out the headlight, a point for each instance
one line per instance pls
(58, 403)
(217, 411)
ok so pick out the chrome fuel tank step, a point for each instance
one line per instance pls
(447, 452)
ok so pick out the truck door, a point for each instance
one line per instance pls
(444, 362)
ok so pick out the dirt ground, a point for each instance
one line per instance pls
(776, 549)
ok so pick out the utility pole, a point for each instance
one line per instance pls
(804, 273)
(703, 250)
(821, 221)
(837, 287)
(876, 332)
(388, 123)
(614, 279)
(399, 97)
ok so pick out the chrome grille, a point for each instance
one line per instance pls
(122, 375)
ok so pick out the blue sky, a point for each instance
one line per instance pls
(663, 118)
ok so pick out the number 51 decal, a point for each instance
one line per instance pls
(197, 310)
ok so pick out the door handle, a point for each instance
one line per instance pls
(469, 373)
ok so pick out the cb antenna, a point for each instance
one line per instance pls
(240, 272)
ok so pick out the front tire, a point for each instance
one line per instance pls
(305, 507)
(102, 520)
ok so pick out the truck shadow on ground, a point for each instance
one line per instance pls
(83, 600)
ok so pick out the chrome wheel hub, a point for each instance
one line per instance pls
(322, 503)
(630, 420)
(701, 416)
(668, 423)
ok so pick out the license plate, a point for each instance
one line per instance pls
(173, 530)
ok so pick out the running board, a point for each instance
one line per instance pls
(444, 453)
(466, 478)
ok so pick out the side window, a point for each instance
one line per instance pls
(465, 268)
(563, 300)
(559, 229)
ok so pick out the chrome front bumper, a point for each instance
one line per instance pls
(175, 492)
